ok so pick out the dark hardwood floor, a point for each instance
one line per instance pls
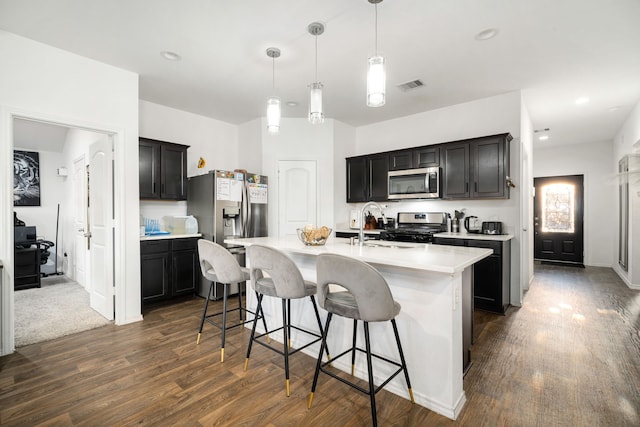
(570, 356)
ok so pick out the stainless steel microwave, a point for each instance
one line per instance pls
(423, 183)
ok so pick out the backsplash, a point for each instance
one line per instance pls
(153, 209)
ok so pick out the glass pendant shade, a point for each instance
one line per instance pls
(376, 82)
(273, 115)
(316, 115)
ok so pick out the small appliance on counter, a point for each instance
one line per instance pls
(492, 227)
(180, 224)
(472, 224)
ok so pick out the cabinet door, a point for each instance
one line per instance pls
(183, 272)
(400, 160)
(488, 168)
(173, 172)
(149, 169)
(426, 157)
(378, 177)
(154, 272)
(356, 180)
(487, 282)
(455, 161)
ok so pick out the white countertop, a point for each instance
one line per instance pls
(475, 236)
(169, 236)
(419, 256)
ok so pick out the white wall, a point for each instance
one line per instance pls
(594, 162)
(488, 116)
(49, 84)
(213, 140)
(297, 140)
(344, 141)
(627, 141)
(526, 185)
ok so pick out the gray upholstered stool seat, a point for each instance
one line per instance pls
(274, 274)
(265, 286)
(218, 265)
(362, 294)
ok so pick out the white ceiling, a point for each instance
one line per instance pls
(554, 51)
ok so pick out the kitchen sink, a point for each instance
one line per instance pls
(379, 244)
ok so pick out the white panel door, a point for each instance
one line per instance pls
(80, 227)
(297, 195)
(101, 227)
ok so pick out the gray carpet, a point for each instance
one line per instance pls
(60, 307)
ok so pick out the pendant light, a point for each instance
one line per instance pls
(316, 115)
(376, 75)
(273, 103)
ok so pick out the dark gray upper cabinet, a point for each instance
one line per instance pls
(367, 178)
(162, 169)
(378, 177)
(476, 168)
(357, 179)
(414, 158)
(400, 160)
(455, 170)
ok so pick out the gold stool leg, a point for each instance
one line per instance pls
(222, 354)
(198, 340)
(310, 401)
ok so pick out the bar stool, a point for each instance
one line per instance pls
(367, 298)
(219, 265)
(283, 280)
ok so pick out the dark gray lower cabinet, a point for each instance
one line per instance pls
(168, 268)
(491, 276)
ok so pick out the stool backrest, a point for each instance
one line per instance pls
(281, 269)
(213, 256)
(368, 287)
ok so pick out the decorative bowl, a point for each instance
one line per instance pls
(312, 236)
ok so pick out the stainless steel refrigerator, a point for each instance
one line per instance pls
(228, 205)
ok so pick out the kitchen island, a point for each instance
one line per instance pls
(433, 284)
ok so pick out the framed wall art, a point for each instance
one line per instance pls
(26, 178)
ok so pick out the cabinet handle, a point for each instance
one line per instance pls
(466, 187)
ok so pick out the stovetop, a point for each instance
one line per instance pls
(416, 227)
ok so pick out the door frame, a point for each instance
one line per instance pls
(7, 307)
(580, 217)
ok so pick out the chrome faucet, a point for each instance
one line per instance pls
(361, 230)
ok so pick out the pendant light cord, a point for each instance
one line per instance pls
(376, 29)
(316, 58)
(273, 74)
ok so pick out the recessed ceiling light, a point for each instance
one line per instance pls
(613, 109)
(292, 104)
(170, 56)
(487, 34)
(543, 137)
(582, 100)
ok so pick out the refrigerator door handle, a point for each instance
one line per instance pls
(243, 208)
(249, 213)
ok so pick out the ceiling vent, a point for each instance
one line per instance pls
(414, 84)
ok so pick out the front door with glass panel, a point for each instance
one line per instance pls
(558, 219)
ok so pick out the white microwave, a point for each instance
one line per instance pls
(423, 183)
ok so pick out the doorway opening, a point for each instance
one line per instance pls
(64, 148)
(559, 220)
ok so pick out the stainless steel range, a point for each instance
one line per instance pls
(416, 227)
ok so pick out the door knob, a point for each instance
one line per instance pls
(81, 230)
(87, 234)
